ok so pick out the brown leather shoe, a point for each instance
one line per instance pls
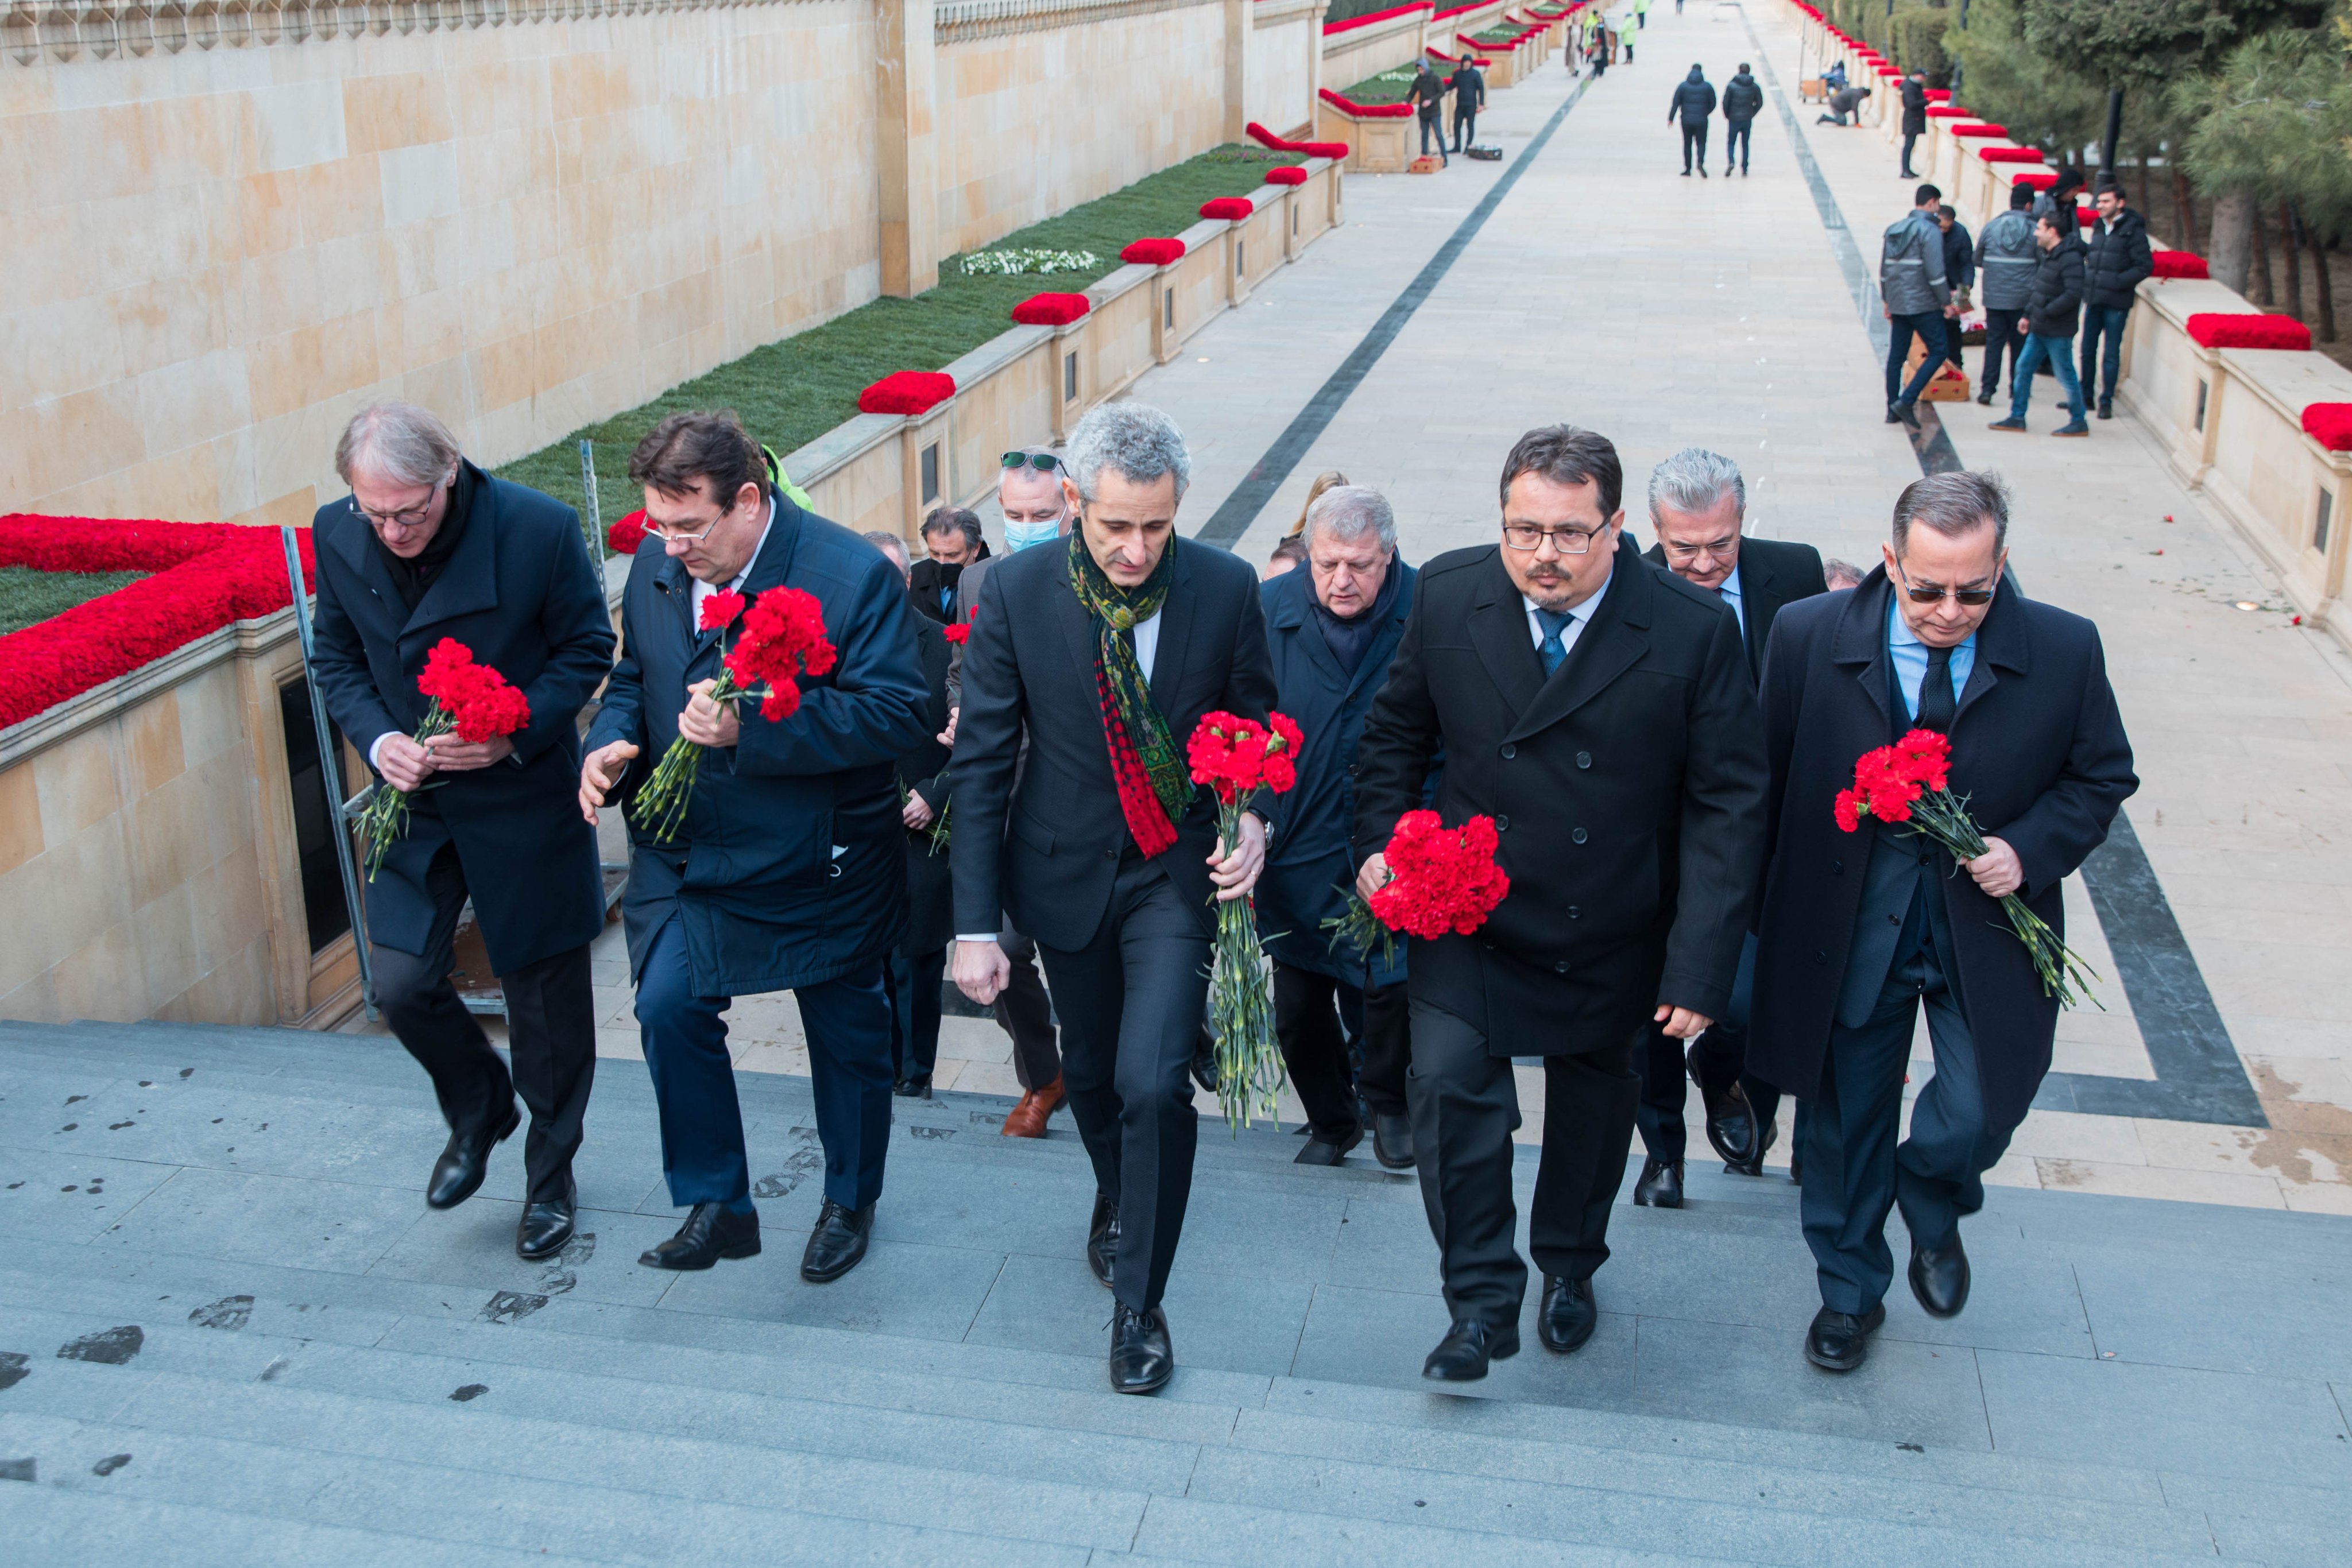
(1027, 1119)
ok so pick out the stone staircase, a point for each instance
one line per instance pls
(233, 1333)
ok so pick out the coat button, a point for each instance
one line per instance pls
(1584, 759)
(1509, 752)
(1560, 967)
(1502, 823)
(1572, 911)
(1837, 868)
(1819, 958)
(1578, 836)
(1110, 854)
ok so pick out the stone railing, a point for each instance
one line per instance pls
(956, 21)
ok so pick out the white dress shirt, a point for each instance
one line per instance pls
(703, 591)
(1578, 619)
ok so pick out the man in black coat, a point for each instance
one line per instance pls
(1599, 709)
(1860, 928)
(953, 540)
(1427, 95)
(1469, 86)
(2051, 308)
(917, 970)
(1693, 101)
(1698, 501)
(1914, 117)
(2117, 260)
(427, 547)
(1109, 650)
(1332, 626)
(1743, 100)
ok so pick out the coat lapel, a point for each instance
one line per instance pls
(1176, 617)
(1612, 642)
(1384, 640)
(1861, 640)
(1498, 629)
(469, 582)
(1758, 603)
(2001, 641)
(1293, 615)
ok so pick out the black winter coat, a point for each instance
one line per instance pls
(1960, 255)
(1627, 788)
(2038, 748)
(2053, 309)
(1743, 100)
(2115, 262)
(1693, 100)
(1773, 575)
(930, 891)
(1914, 108)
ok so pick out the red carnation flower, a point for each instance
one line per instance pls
(719, 611)
(959, 633)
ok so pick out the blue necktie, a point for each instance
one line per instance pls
(1551, 648)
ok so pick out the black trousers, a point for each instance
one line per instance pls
(551, 1035)
(1465, 127)
(1909, 137)
(913, 986)
(1317, 1016)
(1465, 1108)
(1025, 1012)
(1738, 136)
(1694, 139)
(1131, 1001)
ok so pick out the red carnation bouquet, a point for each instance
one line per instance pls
(1440, 879)
(1237, 758)
(473, 700)
(781, 638)
(1910, 782)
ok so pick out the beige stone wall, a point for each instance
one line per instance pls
(1285, 52)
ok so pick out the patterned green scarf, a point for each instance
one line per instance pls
(1153, 789)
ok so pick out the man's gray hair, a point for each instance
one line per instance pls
(1351, 511)
(1954, 505)
(1135, 439)
(1693, 481)
(398, 442)
(889, 544)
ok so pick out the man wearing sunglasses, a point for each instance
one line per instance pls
(1860, 929)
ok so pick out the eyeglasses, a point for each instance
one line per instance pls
(1567, 542)
(1931, 594)
(411, 518)
(1718, 549)
(670, 533)
(1043, 462)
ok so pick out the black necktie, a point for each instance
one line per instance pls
(1935, 704)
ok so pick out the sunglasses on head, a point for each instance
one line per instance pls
(1043, 462)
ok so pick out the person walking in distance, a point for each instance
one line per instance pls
(1693, 101)
(1106, 653)
(1914, 117)
(2006, 254)
(1427, 95)
(1469, 86)
(1742, 101)
(1917, 300)
(429, 546)
(1332, 627)
(2052, 309)
(1598, 710)
(1861, 929)
(789, 870)
(2117, 260)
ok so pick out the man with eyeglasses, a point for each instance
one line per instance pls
(1697, 503)
(1599, 709)
(1859, 930)
(426, 546)
(789, 871)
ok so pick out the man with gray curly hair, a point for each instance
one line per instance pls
(1108, 650)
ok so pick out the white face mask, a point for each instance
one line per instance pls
(1019, 537)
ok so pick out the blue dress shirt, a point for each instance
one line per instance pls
(1910, 656)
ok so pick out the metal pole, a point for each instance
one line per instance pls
(2114, 128)
(592, 519)
(336, 807)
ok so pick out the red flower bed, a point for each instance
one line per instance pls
(625, 536)
(2086, 216)
(206, 576)
(2179, 263)
(1947, 112)
(1369, 19)
(2221, 329)
(1232, 209)
(2330, 425)
(906, 392)
(1334, 150)
(1940, 95)
(1153, 252)
(1978, 128)
(1366, 110)
(1287, 174)
(1051, 310)
(2040, 179)
(2010, 155)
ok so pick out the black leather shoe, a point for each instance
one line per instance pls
(1660, 1186)
(1569, 1314)
(2106, 410)
(1392, 1142)
(1319, 1153)
(1755, 1166)
(545, 1229)
(915, 1087)
(1142, 1359)
(1838, 1342)
(837, 1244)
(1204, 1061)
(1102, 1238)
(1939, 1278)
(1985, 396)
(458, 1174)
(1730, 1120)
(1907, 413)
(1463, 1355)
(708, 1234)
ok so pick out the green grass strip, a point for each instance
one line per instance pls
(1389, 86)
(793, 391)
(28, 595)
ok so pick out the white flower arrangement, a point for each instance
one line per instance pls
(1014, 263)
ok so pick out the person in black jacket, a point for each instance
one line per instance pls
(1861, 928)
(952, 536)
(2118, 259)
(2050, 321)
(1427, 95)
(1598, 709)
(1469, 97)
(1742, 101)
(426, 546)
(1693, 101)
(1914, 117)
(917, 971)
(1960, 273)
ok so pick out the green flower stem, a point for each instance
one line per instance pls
(1940, 816)
(385, 816)
(660, 806)
(1241, 1006)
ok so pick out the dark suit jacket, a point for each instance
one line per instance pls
(925, 581)
(1044, 851)
(1627, 788)
(931, 895)
(2039, 749)
(791, 865)
(1773, 574)
(521, 593)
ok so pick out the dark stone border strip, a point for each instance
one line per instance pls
(1231, 520)
(2200, 1076)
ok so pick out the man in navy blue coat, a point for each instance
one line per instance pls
(1332, 629)
(427, 546)
(789, 871)
(1860, 929)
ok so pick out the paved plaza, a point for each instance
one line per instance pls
(2150, 1371)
